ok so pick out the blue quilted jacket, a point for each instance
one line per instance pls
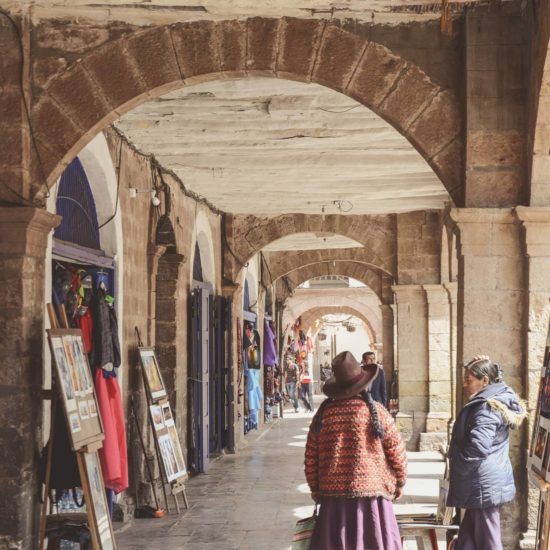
(480, 469)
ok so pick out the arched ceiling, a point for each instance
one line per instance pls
(268, 146)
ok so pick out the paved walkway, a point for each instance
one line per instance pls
(252, 500)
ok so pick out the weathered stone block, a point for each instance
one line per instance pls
(77, 93)
(153, 53)
(111, 60)
(298, 45)
(412, 91)
(438, 125)
(375, 76)
(262, 34)
(196, 48)
(55, 128)
(337, 58)
(231, 38)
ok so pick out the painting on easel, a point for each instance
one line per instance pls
(153, 378)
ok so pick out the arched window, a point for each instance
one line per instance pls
(75, 203)
(197, 264)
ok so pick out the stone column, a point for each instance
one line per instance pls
(535, 235)
(439, 361)
(385, 354)
(412, 360)
(23, 242)
(456, 370)
(490, 303)
(154, 253)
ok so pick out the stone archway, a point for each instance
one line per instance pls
(377, 282)
(110, 80)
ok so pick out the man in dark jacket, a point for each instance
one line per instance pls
(377, 388)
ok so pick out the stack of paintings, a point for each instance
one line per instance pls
(162, 418)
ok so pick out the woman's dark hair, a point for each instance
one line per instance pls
(485, 367)
(377, 428)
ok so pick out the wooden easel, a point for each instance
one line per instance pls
(177, 486)
(92, 446)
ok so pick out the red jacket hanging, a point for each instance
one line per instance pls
(113, 455)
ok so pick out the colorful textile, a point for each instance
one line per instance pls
(113, 455)
(301, 540)
(345, 459)
(270, 351)
(254, 395)
(356, 524)
(480, 530)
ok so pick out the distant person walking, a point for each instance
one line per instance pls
(306, 391)
(481, 477)
(377, 387)
(355, 464)
(291, 375)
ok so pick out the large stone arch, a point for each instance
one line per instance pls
(378, 283)
(312, 315)
(248, 235)
(111, 79)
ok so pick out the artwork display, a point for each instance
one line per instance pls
(153, 377)
(168, 440)
(75, 382)
(96, 502)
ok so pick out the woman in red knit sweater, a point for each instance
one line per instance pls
(355, 464)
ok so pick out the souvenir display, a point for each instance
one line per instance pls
(76, 386)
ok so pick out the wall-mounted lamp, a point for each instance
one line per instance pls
(133, 193)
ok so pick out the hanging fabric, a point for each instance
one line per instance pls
(113, 454)
(270, 351)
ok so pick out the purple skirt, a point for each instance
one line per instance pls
(366, 523)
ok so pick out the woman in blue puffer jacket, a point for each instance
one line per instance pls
(481, 477)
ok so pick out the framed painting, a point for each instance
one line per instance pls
(151, 374)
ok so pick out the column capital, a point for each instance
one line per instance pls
(436, 294)
(485, 231)
(409, 293)
(536, 230)
(24, 231)
(452, 291)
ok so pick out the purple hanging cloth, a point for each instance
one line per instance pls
(270, 352)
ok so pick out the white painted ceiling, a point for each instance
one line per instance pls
(267, 146)
(311, 241)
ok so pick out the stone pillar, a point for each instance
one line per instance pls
(386, 353)
(439, 359)
(154, 253)
(535, 234)
(412, 360)
(456, 369)
(23, 242)
(490, 304)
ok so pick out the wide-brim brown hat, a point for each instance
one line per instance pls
(349, 377)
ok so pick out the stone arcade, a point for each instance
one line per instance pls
(257, 128)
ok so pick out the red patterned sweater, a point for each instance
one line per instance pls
(345, 459)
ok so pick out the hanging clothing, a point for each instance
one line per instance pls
(106, 350)
(113, 454)
(254, 395)
(85, 323)
(309, 344)
(270, 351)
